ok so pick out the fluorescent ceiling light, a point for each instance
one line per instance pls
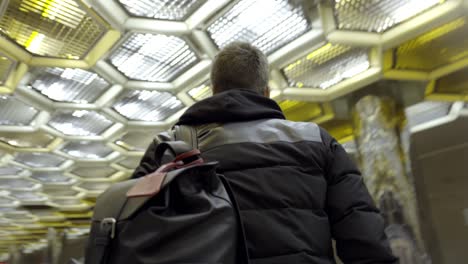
(17, 184)
(39, 159)
(147, 105)
(53, 28)
(52, 178)
(79, 122)
(377, 16)
(265, 24)
(68, 85)
(15, 112)
(87, 149)
(327, 66)
(162, 9)
(153, 57)
(10, 170)
(29, 196)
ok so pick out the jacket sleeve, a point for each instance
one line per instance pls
(356, 223)
(149, 163)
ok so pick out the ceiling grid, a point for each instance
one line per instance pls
(86, 85)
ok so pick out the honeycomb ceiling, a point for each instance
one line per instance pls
(85, 85)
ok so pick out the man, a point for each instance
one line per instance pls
(296, 186)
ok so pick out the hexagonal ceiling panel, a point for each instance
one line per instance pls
(327, 66)
(66, 148)
(10, 170)
(377, 16)
(266, 24)
(39, 159)
(52, 178)
(86, 150)
(15, 112)
(56, 28)
(436, 48)
(153, 57)
(68, 84)
(144, 105)
(162, 9)
(79, 122)
(29, 198)
(18, 184)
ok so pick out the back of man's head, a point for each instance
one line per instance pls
(240, 65)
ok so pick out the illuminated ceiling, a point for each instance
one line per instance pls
(85, 85)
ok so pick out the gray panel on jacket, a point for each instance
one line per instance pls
(258, 131)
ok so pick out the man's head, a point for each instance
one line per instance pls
(240, 66)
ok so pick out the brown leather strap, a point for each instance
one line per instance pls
(188, 154)
(149, 185)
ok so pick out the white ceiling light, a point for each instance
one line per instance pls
(87, 149)
(18, 184)
(29, 197)
(147, 105)
(327, 66)
(39, 160)
(68, 85)
(162, 9)
(52, 178)
(79, 122)
(377, 16)
(10, 170)
(14, 112)
(266, 24)
(153, 57)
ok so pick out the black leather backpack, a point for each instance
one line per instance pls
(182, 213)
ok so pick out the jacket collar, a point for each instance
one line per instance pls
(235, 105)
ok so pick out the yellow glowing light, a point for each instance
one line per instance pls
(326, 53)
(300, 84)
(440, 31)
(293, 65)
(66, 12)
(33, 44)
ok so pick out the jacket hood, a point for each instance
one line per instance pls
(235, 105)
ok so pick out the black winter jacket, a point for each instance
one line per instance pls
(296, 186)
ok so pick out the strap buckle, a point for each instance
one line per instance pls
(108, 226)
